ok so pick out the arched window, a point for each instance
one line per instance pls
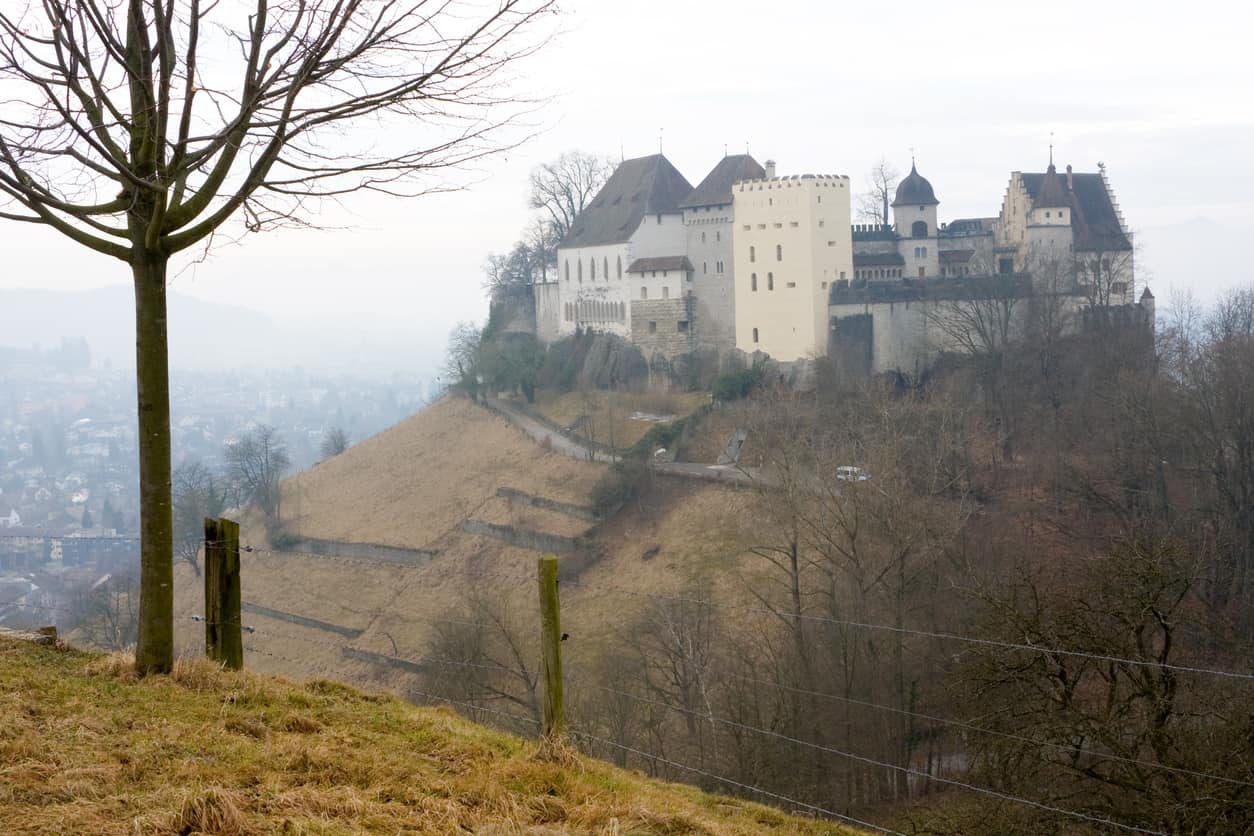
(753, 254)
(770, 281)
(753, 282)
(620, 266)
(568, 269)
(918, 229)
(592, 269)
(579, 270)
(779, 252)
(755, 335)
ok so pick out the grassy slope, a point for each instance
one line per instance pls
(693, 523)
(414, 482)
(85, 749)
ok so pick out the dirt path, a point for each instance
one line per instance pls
(568, 446)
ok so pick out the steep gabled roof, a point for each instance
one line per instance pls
(1094, 218)
(716, 188)
(645, 185)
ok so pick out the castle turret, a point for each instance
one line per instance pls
(914, 216)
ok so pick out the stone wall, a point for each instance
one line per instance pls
(578, 511)
(548, 308)
(300, 620)
(665, 326)
(523, 538)
(365, 551)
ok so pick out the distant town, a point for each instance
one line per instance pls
(69, 484)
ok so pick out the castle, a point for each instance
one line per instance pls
(757, 262)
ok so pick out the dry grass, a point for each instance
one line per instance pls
(414, 482)
(611, 411)
(85, 748)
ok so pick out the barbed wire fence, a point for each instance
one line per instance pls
(445, 680)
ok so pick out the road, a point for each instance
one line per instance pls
(568, 446)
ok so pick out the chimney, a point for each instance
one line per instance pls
(1069, 182)
(770, 169)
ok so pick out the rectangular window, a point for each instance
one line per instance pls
(842, 274)
(747, 227)
(683, 326)
(794, 223)
(644, 293)
(825, 285)
(652, 327)
(820, 223)
(718, 236)
(794, 284)
(666, 292)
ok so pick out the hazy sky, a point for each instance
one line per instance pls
(1160, 92)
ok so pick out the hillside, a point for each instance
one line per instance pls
(87, 749)
(415, 486)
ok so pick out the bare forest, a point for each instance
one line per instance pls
(1010, 596)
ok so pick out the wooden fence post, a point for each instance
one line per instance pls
(224, 638)
(551, 642)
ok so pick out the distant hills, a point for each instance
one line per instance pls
(205, 335)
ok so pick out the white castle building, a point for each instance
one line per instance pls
(762, 263)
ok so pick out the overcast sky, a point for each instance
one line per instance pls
(1159, 92)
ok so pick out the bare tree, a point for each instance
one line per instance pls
(334, 442)
(461, 358)
(107, 614)
(140, 129)
(562, 188)
(872, 204)
(541, 240)
(198, 493)
(256, 463)
(484, 651)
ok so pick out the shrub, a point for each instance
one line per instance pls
(733, 385)
(659, 435)
(626, 480)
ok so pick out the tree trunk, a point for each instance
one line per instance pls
(154, 651)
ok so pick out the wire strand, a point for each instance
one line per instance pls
(749, 787)
(994, 732)
(934, 634)
(884, 764)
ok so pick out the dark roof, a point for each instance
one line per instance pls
(1052, 193)
(956, 256)
(915, 189)
(645, 185)
(968, 226)
(665, 262)
(716, 188)
(1094, 219)
(878, 260)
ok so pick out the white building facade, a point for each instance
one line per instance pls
(792, 242)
